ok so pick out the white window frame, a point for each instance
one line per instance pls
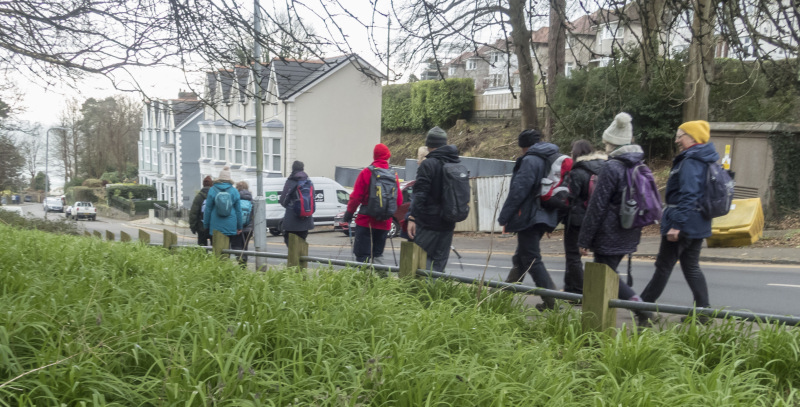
(472, 64)
(495, 57)
(238, 149)
(567, 40)
(220, 151)
(568, 67)
(209, 151)
(252, 152)
(451, 70)
(613, 31)
(147, 155)
(276, 155)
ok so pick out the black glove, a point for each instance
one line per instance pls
(348, 216)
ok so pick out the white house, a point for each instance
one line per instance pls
(326, 113)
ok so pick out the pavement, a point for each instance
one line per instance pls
(554, 246)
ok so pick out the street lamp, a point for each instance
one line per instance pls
(47, 163)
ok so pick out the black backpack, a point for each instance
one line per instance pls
(455, 192)
(382, 201)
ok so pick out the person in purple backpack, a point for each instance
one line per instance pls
(293, 223)
(601, 230)
(683, 227)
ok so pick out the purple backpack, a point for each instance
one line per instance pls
(641, 203)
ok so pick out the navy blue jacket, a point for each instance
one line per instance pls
(522, 209)
(601, 230)
(685, 187)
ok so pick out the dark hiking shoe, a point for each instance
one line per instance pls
(644, 319)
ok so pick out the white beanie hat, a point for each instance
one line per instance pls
(225, 174)
(620, 132)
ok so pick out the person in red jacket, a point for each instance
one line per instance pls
(370, 234)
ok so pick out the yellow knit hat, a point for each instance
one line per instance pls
(698, 130)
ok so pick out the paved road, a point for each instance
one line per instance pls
(755, 287)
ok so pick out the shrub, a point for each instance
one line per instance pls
(424, 104)
(93, 183)
(81, 194)
(138, 191)
(112, 177)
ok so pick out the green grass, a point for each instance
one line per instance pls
(86, 322)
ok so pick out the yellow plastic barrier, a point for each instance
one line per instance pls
(742, 226)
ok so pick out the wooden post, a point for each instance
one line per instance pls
(110, 236)
(412, 257)
(220, 242)
(600, 284)
(144, 237)
(124, 237)
(97, 234)
(297, 247)
(170, 239)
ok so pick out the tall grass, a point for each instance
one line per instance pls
(85, 322)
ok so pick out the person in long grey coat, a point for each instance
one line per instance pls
(292, 223)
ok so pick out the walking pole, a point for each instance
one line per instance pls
(391, 240)
(453, 248)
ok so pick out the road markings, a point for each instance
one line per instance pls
(785, 285)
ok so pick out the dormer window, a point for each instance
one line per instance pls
(472, 64)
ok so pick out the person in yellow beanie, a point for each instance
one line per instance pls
(698, 130)
(683, 227)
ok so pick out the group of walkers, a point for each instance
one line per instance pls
(597, 212)
(595, 218)
(219, 206)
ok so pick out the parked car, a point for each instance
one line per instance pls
(398, 220)
(52, 204)
(28, 198)
(67, 211)
(83, 210)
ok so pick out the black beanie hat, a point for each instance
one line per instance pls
(436, 138)
(529, 137)
(298, 166)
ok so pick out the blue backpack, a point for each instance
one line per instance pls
(247, 209)
(223, 203)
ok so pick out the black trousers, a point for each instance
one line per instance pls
(573, 275)
(436, 245)
(688, 252)
(368, 243)
(203, 238)
(528, 258)
(613, 260)
(240, 242)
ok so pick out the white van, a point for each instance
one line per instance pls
(330, 199)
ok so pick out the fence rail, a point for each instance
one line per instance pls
(600, 282)
(171, 213)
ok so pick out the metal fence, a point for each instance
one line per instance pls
(173, 214)
(412, 256)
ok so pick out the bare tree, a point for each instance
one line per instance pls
(31, 148)
(434, 28)
(556, 52)
(67, 142)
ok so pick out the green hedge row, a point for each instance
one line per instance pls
(138, 191)
(81, 194)
(134, 207)
(424, 104)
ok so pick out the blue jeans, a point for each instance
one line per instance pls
(368, 243)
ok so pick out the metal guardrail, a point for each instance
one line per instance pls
(523, 289)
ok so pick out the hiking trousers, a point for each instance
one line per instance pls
(436, 245)
(528, 257)
(573, 275)
(613, 260)
(368, 243)
(688, 252)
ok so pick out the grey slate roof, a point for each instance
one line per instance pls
(226, 78)
(242, 79)
(183, 109)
